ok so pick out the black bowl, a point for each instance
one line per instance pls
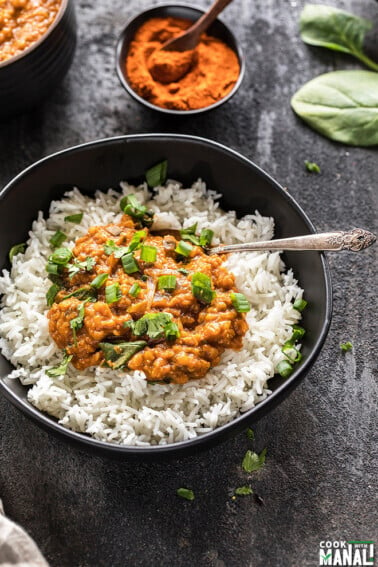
(245, 188)
(217, 29)
(26, 79)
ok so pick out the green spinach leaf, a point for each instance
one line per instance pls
(342, 106)
(336, 29)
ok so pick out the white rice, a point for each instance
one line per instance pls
(121, 407)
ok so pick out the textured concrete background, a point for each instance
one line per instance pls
(320, 477)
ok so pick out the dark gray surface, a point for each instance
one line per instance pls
(320, 477)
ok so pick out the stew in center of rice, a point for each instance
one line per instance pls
(127, 297)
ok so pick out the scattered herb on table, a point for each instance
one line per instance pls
(76, 218)
(252, 461)
(346, 346)
(185, 493)
(16, 249)
(157, 175)
(61, 368)
(326, 26)
(312, 167)
(243, 491)
(250, 434)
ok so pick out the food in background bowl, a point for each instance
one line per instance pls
(37, 45)
(177, 80)
(108, 296)
(178, 83)
(23, 22)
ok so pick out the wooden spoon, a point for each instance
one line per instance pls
(190, 38)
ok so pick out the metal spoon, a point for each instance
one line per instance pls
(190, 38)
(356, 239)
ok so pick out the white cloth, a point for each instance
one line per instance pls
(17, 549)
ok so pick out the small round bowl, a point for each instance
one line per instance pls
(27, 78)
(103, 164)
(218, 29)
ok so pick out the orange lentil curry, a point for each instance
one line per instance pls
(23, 22)
(179, 80)
(127, 297)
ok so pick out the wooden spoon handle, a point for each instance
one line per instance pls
(207, 19)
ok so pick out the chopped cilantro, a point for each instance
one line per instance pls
(86, 265)
(61, 368)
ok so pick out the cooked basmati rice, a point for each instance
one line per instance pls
(121, 407)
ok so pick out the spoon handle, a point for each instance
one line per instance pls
(356, 240)
(207, 19)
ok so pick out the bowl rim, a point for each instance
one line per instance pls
(122, 75)
(247, 417)
(33, 46)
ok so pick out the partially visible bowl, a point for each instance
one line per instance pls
(218, 29)
(27, 78)
(244, 188)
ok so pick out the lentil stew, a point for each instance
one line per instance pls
(23, 22)
(128, 297)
